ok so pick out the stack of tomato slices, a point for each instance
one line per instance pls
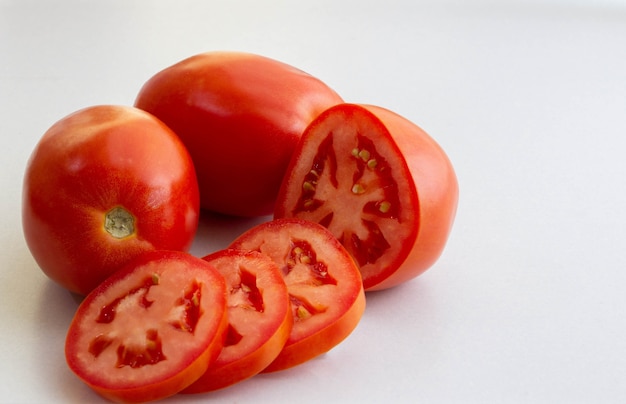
(284, 292)
(362, 200)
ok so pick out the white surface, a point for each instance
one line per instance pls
(527, 303)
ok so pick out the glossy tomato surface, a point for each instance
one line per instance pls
(324, 284)
(103, 185)
(151, 329)
(240, 115)
(380, 184)
(259, 316)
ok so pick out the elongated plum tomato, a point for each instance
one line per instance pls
(381, 185)
(151, 329)
(240, 115)
(259, 316)
(324, 284)
(103, 185)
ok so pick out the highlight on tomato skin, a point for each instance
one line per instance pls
(380, 184)
(324, 284)
(259, 315)
(151, 329)
(240, 116)
(102, 185)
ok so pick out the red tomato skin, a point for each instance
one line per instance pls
(91, 162)
(187, 370)
(270, 335)
(432, 184)
(437, 192)
(307, 343)
(240, 116)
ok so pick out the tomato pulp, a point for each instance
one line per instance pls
(380, 184)
(103, 185)
(151, 329)
(240, 116)
(324, 284)
(259, 317)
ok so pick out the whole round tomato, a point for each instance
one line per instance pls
(151, 329)
(240, 116)
(103, 185)
(381, 185)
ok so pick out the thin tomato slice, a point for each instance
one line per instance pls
(151, 329)
(324, 284)
(259, 318)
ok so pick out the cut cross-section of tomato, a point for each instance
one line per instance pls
(151, 329)
(380, 184)
(324, 284)
(259, 318)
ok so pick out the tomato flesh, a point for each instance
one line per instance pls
(380, 184)
(151, 329)
(259, 318)
(324, 284)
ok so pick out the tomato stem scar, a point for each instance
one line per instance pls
(119, 222)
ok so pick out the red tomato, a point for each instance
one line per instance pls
(103, 185)
(240, 115)
(151, 329)
(259, 315)
(381, 185)
(325, 287)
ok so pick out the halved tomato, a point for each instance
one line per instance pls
(259, 316)
(324, 284)
(151, 329)
(381, 185)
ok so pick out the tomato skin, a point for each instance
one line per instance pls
(422, 175)
(163, 303)
(240, 115)
(334, 301)
(94, 162)
(261, 318)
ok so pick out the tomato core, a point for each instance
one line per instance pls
(119, 222)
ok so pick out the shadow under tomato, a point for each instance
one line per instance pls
(216, 232)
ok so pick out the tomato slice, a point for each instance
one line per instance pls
(324, 284)
(151, 329)
(380, 184)
(259, 318)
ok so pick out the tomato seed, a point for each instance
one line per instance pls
(308, 186)
(358, 189)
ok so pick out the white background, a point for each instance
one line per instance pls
(527, 303)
